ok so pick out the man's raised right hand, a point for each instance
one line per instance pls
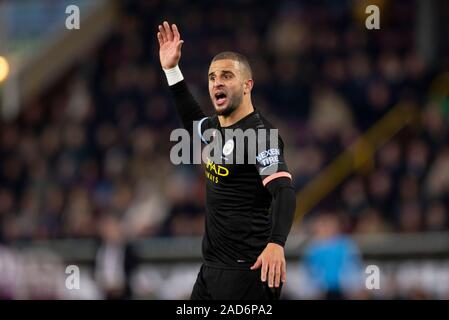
(169, 45)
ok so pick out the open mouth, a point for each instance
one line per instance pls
(220, 98)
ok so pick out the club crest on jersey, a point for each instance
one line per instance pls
(228, 147)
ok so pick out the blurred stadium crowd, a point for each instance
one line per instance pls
(97, 144)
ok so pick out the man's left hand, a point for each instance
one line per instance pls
(272, 261)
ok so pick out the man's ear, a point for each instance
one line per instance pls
(248, 86)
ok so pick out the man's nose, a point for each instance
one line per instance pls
(217, 83)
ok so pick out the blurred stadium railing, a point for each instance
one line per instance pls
(431, 245)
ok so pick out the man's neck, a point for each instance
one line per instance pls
(238, 114)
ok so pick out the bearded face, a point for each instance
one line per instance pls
(226, 86)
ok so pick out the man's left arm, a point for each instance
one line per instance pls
(283, 209)
(277, 179)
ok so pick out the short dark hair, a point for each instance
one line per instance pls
(236, 57)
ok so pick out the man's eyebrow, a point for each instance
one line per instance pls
(224, 71)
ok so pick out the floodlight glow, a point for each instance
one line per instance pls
(4, 69)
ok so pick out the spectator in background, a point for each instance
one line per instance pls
(437, 183)
(332, 259)
(115, 260)
(436, 217)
